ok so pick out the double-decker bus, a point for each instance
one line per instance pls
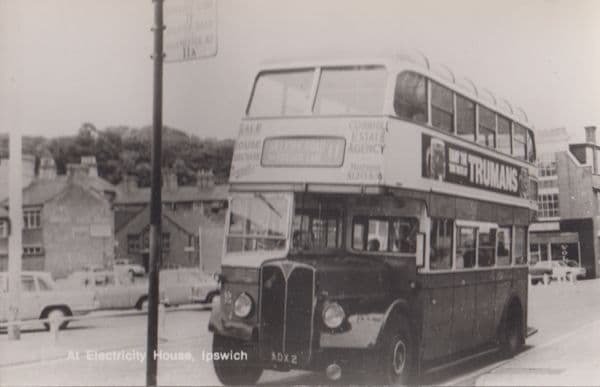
(378, 219)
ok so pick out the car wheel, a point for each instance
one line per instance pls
(56, 314)
(231, 371)
(396, 365)
(546, 279)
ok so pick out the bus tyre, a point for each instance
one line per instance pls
(235, 371)
(397, 355)
(512, 339)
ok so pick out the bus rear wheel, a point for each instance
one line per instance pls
(397, 355)
(235, 371)
(512, 336)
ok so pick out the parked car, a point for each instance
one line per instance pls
(41, 299)
(205, 289)
(560, 270)
(540, 271)
(579, 271)
(123, 265)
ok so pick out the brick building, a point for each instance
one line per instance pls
(192, 222)
(68, 220)
(568, 224)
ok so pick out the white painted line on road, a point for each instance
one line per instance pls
(461, 380)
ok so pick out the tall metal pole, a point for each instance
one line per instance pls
(155, 199)
(15, 248)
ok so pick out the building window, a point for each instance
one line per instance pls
(166, 242)
(3, 229)
(31, 219)
(548, 205)
(442, 107)
(410, 98)
(465, 118)
(133, 244)
(32, 251)
(547, 164)
(440, 244)
(504, 136)
(548, 184)
(487, 127)
(465, 247)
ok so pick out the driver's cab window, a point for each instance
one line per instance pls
(385, 234)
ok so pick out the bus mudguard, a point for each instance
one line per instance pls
(365, 329)
(219, 324)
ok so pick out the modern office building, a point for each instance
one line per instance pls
(568, 224)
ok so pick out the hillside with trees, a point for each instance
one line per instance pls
(122, 150)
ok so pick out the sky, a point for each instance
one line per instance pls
(66, 62)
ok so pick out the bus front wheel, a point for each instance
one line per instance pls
(397, 355)
(232, 371)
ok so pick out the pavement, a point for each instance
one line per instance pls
(108, 350)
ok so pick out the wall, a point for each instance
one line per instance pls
(576, 197)
(78, 231)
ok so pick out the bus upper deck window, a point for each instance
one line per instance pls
(504, 135)
(465, 118)
(442, 107)
(410, 97)
(530, 147)
(520, 142)
(487, 127)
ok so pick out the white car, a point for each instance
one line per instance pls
(123, 265)
(205, 289)
(41, 299)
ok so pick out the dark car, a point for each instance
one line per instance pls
(540, 272)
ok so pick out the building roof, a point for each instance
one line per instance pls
(173, 195)
(188, 222)
(42, 190)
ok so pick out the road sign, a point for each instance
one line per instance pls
(191, 31)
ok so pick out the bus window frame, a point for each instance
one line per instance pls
(497, 116)
(389, 220)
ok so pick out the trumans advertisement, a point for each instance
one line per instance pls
(452, 163)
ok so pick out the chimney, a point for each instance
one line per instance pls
(76, 171)
(590, 138)
(205, 179)
(47, 168)
(89, 162)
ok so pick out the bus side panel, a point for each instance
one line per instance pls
(485, 323)
(504, 288)
(465, 311)
(520, 283)
(437, 306)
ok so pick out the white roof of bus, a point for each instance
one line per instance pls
(417, 62)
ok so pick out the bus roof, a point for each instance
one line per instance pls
(417, 62)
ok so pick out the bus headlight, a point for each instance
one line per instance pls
(242, 305)
(333, 315)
